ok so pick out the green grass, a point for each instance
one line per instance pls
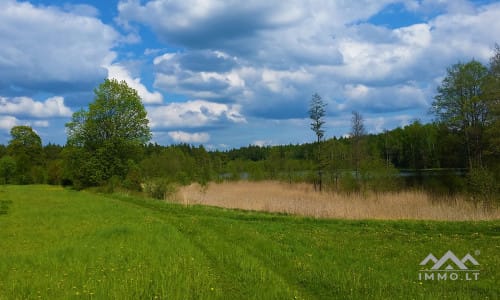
(63, 244)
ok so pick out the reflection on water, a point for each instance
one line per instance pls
(440, 181)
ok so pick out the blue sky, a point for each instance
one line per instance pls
(233, 73)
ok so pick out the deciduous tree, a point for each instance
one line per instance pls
(317, 111)
(357, 133)
(25, 147)
(112, 130)
(461, 105)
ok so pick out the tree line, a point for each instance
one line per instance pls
(109, 145)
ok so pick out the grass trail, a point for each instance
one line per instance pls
(62, 244)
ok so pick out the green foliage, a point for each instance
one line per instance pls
(25, 147)
(25, 140)
(348, 183)
(111, 133)
(160, 188)
(379, 176)
(116, 116)
(317, 110)
(492, 151)
(134, 179)
(461, 104)
(7, 169)
(483, 187)
(55, 169)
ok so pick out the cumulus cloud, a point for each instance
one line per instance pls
(193, 114)
(199, 74)
(203, 24)
(24, 106)
(186, 137)
(287, 51)
(52, 50)
(41, 123)
(7, 122)
(257, 60)
(119, 72)
(385, 99)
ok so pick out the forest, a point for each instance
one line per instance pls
(109, 147)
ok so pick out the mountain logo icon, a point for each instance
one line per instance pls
(449, 261)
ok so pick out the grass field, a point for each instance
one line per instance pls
(63, 244)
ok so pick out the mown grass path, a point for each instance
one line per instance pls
(62, 244)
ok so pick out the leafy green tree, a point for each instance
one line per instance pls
(25, 147)
(493, 100)
(25, 140)
(113, 130)
(117, 115)
(461, 105)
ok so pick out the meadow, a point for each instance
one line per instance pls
(58, 243)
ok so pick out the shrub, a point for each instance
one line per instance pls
(160, 188)
(483, 187)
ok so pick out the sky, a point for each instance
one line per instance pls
(229, 73)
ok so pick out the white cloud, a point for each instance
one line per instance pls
(81, 9)
(49, 49)
(262, 143)
(41, 123)
(465, 34)
(386, 99)
(197, 113)
(7, 122)
(186, 137)
(119, 72)
(260, 60)
(52, 107)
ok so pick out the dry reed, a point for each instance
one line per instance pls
(301, 199)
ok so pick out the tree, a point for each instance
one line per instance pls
(7, 169)
(357, 133)
(461, 105)
(26, 149)
(316, 114)
(112, 130)
(317, 110)
(116, 115)
(24, 139)
(492, 92)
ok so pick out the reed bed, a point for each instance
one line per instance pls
(301, 199)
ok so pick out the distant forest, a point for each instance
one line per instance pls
(390, 160)
(108, 147)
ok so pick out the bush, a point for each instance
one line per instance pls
(160, 189)
(377, 176)
(483, 187)
(348, 183)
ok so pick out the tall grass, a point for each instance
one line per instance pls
(301, 199)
